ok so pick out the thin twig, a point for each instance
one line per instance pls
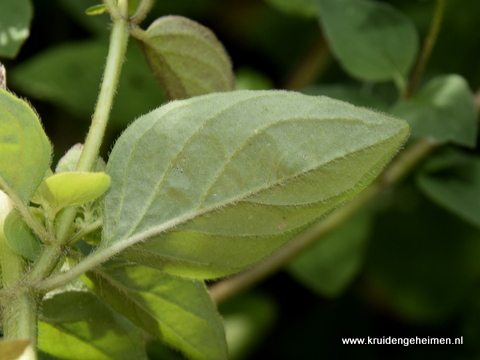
(428, 45)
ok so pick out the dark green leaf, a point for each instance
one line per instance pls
(15, 17)
(452, 179)
(306, 8)
(248, 319)
(422, 262)
(20, 237)
(186, 58)
(24, 147)
(69, 76)
(349, 94)
(371, 39)
(218, 182)
(330, 266)
(250, 79)
(444, 110)
(178, 311)
(76, 325)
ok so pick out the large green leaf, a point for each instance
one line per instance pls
(76, 325)
(15, 17)
(24, 147)
(178, 311)
(331, 264)
(69, 75)
(452, 179)
(371, 39)
(218, 182)
(186, 57)
(444, 109)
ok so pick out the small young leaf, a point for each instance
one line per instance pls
(20, 237)
(24, 147)
(452, 180)
(186, 58)
(96, 9)
(76, 325)
(444, 109)
(329, 266)
(178, 311)
(69, 161)
(13, 349)
(371, 39)
(218, 182)
(15, 17)
(73, 188)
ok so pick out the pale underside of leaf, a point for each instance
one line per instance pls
(240, 171)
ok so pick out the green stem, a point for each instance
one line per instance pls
(18, 306)
(428, 46)
(405, 162)
(24, 211)
(84, 231)
(116, 54)
(50, 257)
(46, 262)
(142, 11)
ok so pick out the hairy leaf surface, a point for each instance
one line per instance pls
(218, 182)
(76, 325)
(371, 39)
(178, 311)
(186, 58)
(25, 149)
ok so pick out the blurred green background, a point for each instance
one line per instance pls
(403, 267)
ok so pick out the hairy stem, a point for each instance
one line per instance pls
(142, 11)
(405, 162)
(428, 45)
(27, 216)
(19, 308)
(50, 257)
